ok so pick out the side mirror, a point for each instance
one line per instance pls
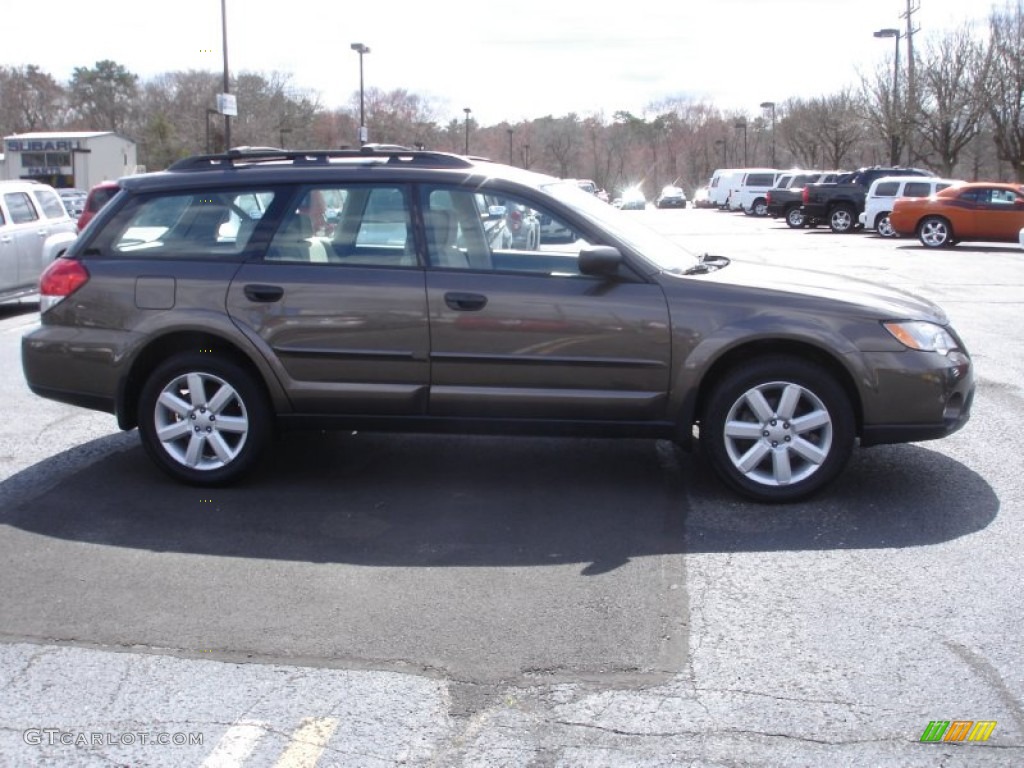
(599, 260)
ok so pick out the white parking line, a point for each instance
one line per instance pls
(308, 743)
(235, 745)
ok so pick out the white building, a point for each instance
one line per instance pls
(68, 158)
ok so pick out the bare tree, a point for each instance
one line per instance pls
(950, 112)
(30, 100)
(884, 115)
(561, 140)
(1004, 83)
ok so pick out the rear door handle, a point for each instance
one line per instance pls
(465, 302)
(263, 293)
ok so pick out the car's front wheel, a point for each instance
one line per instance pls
(795, 218)
(778, 429)
(935, 232)
(203, 419)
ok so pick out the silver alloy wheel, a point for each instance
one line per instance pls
(934, 232)
(841, 220)
(760, 207)
(884, 227)
(201, 421)
(778, 433)
(795, 218)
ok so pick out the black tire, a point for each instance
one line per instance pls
(760, 207)
(935, 232)
(753, 452)
(209, 452)
(795, 218)
(842, 219)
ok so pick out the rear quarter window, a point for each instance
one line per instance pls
(888, 189)
(19, 205)
(50, 202)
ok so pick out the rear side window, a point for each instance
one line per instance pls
(347, 225)
(20, 207)
(917, 189)
(887, 189)
(208, 224)
(760, 179)
(100, 197)
(52, 207)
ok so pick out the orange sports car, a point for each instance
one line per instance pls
(975, 211)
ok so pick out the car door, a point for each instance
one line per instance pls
(26, 232)
(337, 301)
(1000, 215)
(523, 334)
(8, 251)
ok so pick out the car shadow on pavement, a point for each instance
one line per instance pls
(432, 501)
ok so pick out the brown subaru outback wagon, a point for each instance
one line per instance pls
(231, 295)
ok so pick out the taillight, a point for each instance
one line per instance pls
(59, 280)
(805, 196)
(768, 198)
(516, 219)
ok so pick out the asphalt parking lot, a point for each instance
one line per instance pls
(417, 600)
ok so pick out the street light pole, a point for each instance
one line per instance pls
(363, 133)
(894, 147)
(224, 33)
(743, 124)
(467, 110)
(771, 105)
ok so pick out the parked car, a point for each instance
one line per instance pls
(74, 201)
(34, 230)
(671, 197)
(749, 194)
(884, 192)
(633, 199)
(984, 211)
(721, 184)
(98, 196)
(207, 341)
(841, 203)
(524, 227)
(786, 199)
(701, 199)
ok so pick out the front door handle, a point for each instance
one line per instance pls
(264, 293)
(465, 302)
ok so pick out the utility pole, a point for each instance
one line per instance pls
(910, 106)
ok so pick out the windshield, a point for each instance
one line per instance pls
(653, 246)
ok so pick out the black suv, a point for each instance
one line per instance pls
(230, 295)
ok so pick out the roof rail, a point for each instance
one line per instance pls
(387, 154)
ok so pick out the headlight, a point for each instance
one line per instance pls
(923, 336)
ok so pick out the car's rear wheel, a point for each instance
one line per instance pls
(795, 218)
(778, 429)
(883, 226)
(760, 207)
(842, 219)
(935, 232)
(203, 419)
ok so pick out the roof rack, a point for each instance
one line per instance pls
(385, 154)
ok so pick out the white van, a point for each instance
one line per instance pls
(750, 191)
(721, 185)
(883, 193)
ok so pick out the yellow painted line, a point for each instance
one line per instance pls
(235, 745)
(308, 743)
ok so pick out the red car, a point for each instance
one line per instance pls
(99, 196)
(978, 211)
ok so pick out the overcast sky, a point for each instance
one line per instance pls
(510, 60)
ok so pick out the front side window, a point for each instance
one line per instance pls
(20, 207)
(497, 232)
(189, 224)
(356, 225)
